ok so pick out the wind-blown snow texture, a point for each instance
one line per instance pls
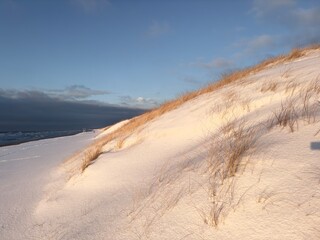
(159, 184)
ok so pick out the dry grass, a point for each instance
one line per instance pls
(270, 86)
(235, 142)
(307, 108)
(90, 155)
(224, 162)
(291, 87)
(216, 213)
(227, 152)
(286, 116)
(302, 106)
(295, 53)
(138, 122)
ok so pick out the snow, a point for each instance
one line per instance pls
(158, 184)
(25, 170)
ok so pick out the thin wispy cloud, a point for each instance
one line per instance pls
(90, 6)
(158, 29)
(77, 92)
(220, 63)
(307, 17)
(302, 24)
(255, 45)
(295, 25)
(139, 102)
(217, 63)
(70, 93)
(191, 80)
(23, 94)
(262, 8)
(260, 42)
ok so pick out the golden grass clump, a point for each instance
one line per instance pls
(295, 53)
(90, 155)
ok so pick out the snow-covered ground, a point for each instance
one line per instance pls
(242, 162)
(26, 170)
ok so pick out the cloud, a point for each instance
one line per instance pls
(26, 94)
(262, 8)
(218, 63)
(191, 80)
(157, 29)
(140, 102)
(77, 92)
(301, 24)
(71, 93)
(90, 6)
(260, 42)
(304, 25)
(256, 44)
(307, 16)
(37, 111)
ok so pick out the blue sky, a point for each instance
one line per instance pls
(139, 53)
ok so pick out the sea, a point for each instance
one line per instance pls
(13, 138)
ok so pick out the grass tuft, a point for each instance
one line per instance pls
(287, 116)
(89, 156)
(224, 162)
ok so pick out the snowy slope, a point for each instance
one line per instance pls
(241, 162)
(25, 170)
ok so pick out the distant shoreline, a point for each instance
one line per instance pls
(45, 135)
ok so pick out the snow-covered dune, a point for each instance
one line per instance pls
(241, 162)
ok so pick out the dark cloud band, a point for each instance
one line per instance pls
(36, 111)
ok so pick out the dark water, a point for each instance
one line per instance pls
(12, 138)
